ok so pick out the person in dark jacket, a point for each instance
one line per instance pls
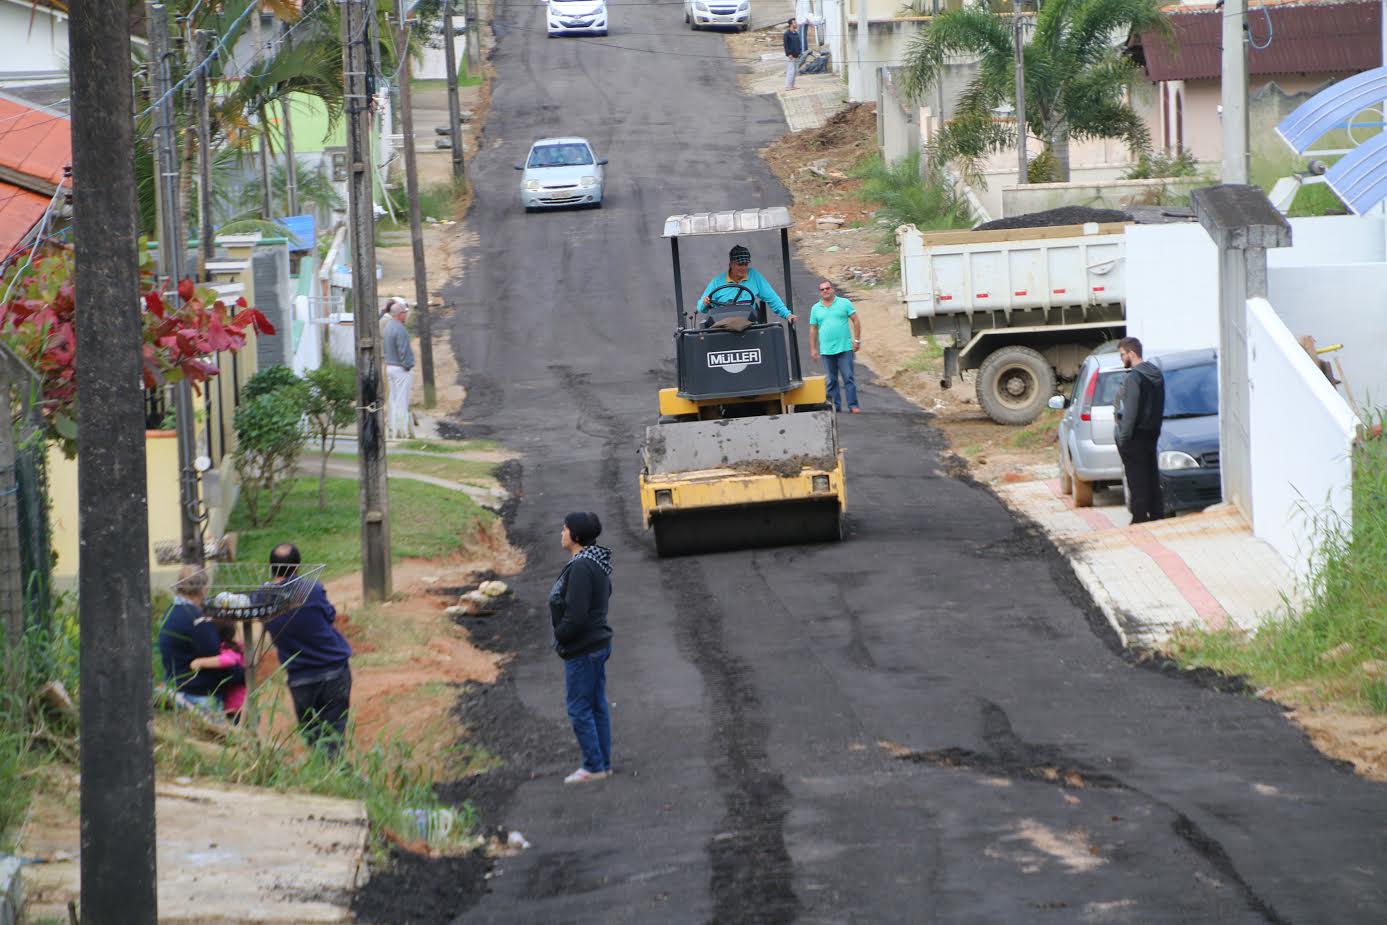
(578, 612)
(1139, 409)
(316, 657)
(185, 636)
(794, 48)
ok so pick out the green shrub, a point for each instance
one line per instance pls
(331, 406)
(270, 380)
(905, 196)
(269, 439)
(1160, 166)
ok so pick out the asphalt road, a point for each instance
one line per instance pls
(920, 724)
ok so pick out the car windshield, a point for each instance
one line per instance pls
(571, 155)
(1191, 391)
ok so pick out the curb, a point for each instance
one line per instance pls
(11, 891)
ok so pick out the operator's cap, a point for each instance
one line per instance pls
(739, 254)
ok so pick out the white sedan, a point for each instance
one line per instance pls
(733, 13)
(561, 172)
(571, 17)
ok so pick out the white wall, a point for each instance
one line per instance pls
(32, 39)
(1301, 440)
(1332, 239)
(1172, 287)
(1344, 304)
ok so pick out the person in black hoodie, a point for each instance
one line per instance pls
(1139, 409)
(578, 612)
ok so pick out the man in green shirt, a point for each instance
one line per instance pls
(835, 332)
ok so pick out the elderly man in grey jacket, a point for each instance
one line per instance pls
(399, 361)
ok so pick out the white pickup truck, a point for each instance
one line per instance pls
(1022, 306)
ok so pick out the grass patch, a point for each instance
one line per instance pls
(904, 196)
(440, 201)
(926, 359)
(1038, 432)
(426, 522)
(460, 446)
(1334, 649)
(441, 83)
(1270, 164)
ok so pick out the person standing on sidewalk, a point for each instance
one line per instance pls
(835, 332)
(583, 639)
(1139, 409)
(794, 47)
(399, 361)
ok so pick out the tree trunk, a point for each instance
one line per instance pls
(1059, 147)
(322, 474)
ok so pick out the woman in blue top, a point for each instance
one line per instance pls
(740, 273)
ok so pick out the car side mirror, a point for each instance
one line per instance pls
(519, 166)
(601, 162)
(1057, 403)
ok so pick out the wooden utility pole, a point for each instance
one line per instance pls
(117, 763)
(205, 234)
(171, 244)
(1019, 40)
(450, 59)
(357, 16)
(416, 230)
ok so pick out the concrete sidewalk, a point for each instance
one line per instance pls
(1198, 570)
(816, 97)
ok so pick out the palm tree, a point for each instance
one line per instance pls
(1077, 79)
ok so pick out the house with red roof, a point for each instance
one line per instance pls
(35, 152)
(1296, 48)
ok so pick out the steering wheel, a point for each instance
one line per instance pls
(738, 289)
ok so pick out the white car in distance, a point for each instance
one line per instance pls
(735, 14)
(577, 17)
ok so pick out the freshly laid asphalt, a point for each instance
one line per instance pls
(924, 723)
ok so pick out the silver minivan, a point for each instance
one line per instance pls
(1087, 445)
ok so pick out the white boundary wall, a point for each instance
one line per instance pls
(1302, 435)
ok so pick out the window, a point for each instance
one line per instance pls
(1191, 391)
(1108, 383)
(567, 155)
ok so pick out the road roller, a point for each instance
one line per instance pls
(745, 452)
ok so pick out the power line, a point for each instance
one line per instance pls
(216, 50)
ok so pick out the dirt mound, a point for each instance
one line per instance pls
(1065, 215)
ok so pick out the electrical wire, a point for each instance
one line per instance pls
(193, 72)
(1271, 31)
(42, 226)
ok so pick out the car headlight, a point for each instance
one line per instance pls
(532, 185)
(1174, 459)
(588, 182)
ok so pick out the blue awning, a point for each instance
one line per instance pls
(302, 231)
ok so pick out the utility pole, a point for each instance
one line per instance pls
(291, 166)
(473, 11)
(862, 28)
(1234, 87)
(357, 19)
(416, 230)
(1019, 40)
(266, 194)
(171, 244)
(205, 234)
(454, 115)
(117, 763)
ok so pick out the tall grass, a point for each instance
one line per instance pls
(1334, 647)
(905, 196)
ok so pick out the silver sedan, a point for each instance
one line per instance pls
(561, 172)
(1087, 449)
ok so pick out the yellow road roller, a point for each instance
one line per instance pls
(746, 449)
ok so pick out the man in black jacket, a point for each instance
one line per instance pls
(583, 639)
(1139, 409)
(794, 47)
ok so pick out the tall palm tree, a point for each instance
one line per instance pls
(1077, 79)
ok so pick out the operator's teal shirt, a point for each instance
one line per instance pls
(835, 334)
(757, 283)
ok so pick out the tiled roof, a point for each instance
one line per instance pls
(20, 210)
(33, 142)
(1303, 38)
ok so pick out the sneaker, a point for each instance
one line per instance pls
(583, 776)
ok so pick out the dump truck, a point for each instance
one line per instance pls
(745, 452)
(1022, 306)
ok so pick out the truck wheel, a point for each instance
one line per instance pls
(1014, 384)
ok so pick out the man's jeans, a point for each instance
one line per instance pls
(791, 68)
(585, 681)
(836, 364)
(321, 707)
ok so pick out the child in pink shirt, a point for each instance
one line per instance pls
(233, 694)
